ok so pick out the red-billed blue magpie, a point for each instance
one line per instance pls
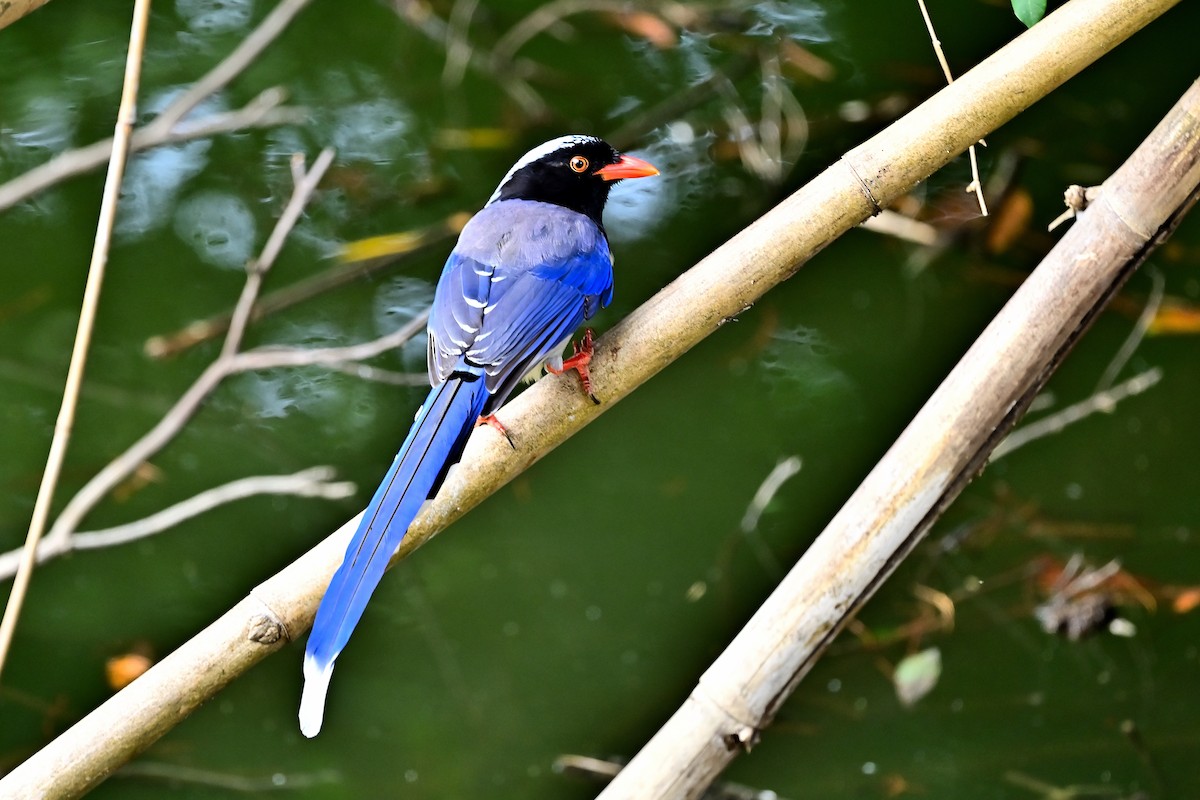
(527, 271)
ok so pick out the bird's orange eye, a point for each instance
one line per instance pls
(578, 163)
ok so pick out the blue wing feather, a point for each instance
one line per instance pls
(436, 439)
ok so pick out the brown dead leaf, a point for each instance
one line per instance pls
(1009, 220)
(645, 25)
(1187, 600)
(120, 671)
(1175, 316)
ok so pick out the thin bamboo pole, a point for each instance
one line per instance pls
(126, 116)
(943, 448)
(722, 286)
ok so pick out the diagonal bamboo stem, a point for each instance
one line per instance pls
(720, 287)
(12, 11)
(945, 446)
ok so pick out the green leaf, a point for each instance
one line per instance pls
(1029, 11)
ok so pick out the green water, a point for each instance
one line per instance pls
(573, 611)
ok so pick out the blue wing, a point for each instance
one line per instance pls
(524, 276)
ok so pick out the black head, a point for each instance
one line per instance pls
(575, 172)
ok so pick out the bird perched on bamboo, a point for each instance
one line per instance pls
(527, 271)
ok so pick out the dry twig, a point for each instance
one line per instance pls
(975, 185)
(311, 482)
(1134, 339)
(1102, 401)
(417, 241)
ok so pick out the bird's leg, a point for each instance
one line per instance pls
(579, 362)
(491, 421)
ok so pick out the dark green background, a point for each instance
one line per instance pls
(565, 615)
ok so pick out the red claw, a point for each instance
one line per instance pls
(579, 362)
(491, 421)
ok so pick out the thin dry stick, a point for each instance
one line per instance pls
(117, 470)
(975, 185)
(458, 44)
(262, 112)
(168, 126)
(1103, 401)
(173, 421)
(126, 113)
(1134, 339)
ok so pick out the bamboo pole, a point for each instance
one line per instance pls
(943, 448)
(13, 10)
(720, 287)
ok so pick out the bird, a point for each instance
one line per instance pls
(528, 269)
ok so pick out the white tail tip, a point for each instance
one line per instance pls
(312, 700)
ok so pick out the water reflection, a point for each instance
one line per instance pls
(155, 178)
(799, 22)
(636, 208)
(799, 368)
(397, 302)
(373, 130)
(48, 123)
(209, 17)
(218, 227)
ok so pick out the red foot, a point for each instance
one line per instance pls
(579, 362)
(491, 421)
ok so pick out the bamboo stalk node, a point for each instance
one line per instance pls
(266, 629)
(1076, 198)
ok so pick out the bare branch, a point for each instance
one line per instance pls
(1100, 402)
(1130, 345)
(390, 377)
(262, 112)
(312, 482)
(779, 475)
(276, 357)
(306, 184)
(123, 465)
(458, 44)
(509, 75)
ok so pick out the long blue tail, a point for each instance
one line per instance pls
(436, 441)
